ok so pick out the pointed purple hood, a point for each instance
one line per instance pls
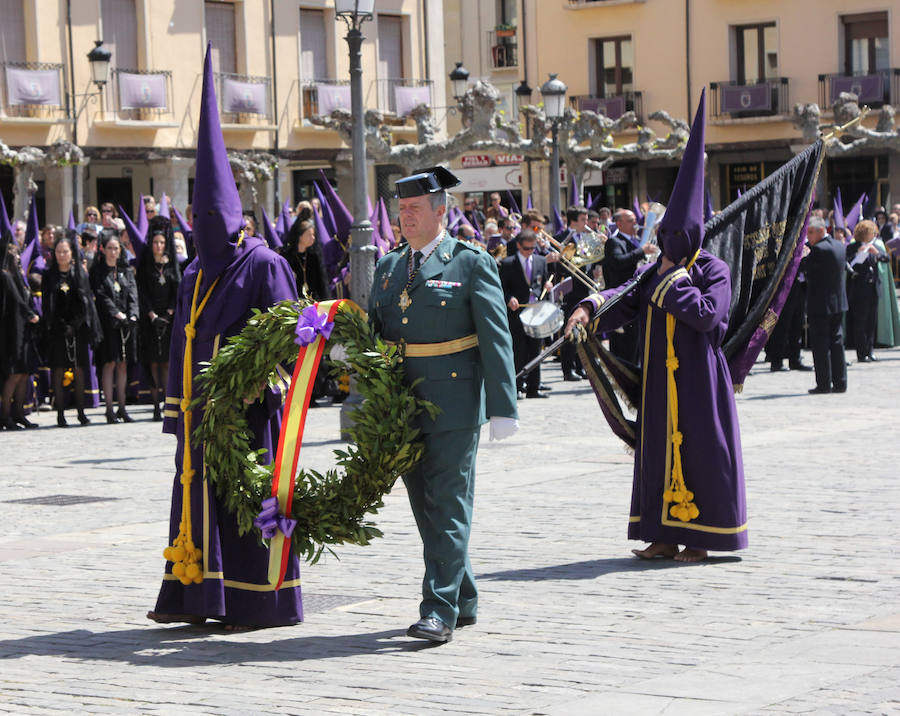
(142, 223)
(513, 204)
(71, 224)
(838, 209)
(138, 238)
(31, 249)
(325, 209)
(5, 223)
(853, 216)
(384, 220)
(529, 204)
(163, 209)
(285, 217)
(680, 232)
(216, 203)
(343, 219)
(269, 233)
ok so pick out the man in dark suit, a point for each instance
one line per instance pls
(576, 219)
(826, 296)
(623, 254)
(524, 276)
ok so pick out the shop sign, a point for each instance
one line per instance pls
(471, 161)
(508, 159)
(744, 173)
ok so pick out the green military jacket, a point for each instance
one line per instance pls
(456, 293)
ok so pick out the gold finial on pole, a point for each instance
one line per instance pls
(839, 131)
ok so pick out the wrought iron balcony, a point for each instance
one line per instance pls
(875, 89)
(142, 95)
(33, 89)
(613, 107)
(321, 97)
(767, 98)
(244, 99)
(398, 95)
(504, 48)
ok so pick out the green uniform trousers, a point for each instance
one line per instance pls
(441, 491)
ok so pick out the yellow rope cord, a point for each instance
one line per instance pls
(184, 555)
(676, 490)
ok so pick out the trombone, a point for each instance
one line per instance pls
(570, 263)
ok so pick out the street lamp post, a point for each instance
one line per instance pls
(459, 81)
(362, 252)
(99, 58)
(523, 94)
(553, 92)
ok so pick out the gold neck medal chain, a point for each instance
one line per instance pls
(405, 300)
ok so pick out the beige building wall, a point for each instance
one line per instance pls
(155, 151)
(679, 47)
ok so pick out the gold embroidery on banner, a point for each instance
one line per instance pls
(759, 243)
(770, 318)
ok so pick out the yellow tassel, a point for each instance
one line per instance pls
(183, 554)
(676, 492)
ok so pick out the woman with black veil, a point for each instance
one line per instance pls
(17, 353)
(71, 324)
(303, 252)
(115, 291)
(158, 278)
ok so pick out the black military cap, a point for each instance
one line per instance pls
(426, 181)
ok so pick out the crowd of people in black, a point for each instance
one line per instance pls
(90, 306)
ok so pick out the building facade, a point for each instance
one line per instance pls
(756, 59)
(277, 64)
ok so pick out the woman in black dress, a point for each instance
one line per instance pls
(115, 291)
(16, 318)
(70, 324)
(304, 254)
(158, 277)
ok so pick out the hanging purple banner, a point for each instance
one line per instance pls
(243, 97)
(332, 97)
(612, 107)
(142, 91)
(746, 98)
(32, 86)
(867, 88)
(408, 98)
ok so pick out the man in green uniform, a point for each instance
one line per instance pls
(441, 299)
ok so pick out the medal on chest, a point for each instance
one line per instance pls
(64, 287)
(116, 286)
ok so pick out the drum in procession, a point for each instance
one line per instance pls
(541, 319)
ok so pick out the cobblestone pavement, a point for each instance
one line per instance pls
(806, 620)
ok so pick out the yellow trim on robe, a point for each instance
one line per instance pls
(170, 413)
(246, 586)
(665, 284)
(634, 519)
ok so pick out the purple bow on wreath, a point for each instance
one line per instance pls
(269, 520)
(311, 324)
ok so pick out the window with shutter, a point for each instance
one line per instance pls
(12, 38)
(220, 33)
(313, 57)
(120, 27)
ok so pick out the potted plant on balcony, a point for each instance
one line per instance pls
(503, 30)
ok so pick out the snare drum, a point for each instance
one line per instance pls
(541, 319)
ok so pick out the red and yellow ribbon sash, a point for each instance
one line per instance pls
(290, 438)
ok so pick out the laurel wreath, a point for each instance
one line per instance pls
(329, 508)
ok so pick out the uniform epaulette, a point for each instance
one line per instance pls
(471, 247)
(397, 248)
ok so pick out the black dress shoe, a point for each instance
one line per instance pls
(871, 358)
(123, 416)
(776, 368)
(545, 387)
(83, 419)
(838, 388)
(816, 391)
(10, 424)
(61, 420)
(26, 423)
(799, 365)
(571, 377)
(580, 372)
(111, 417)
(536, 395)
(465, 621)
(431, 629)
